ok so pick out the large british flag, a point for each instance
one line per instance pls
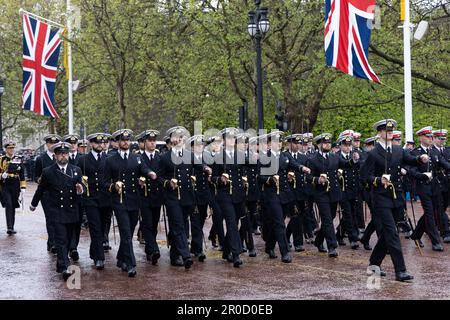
(347, 36)
(41, 45)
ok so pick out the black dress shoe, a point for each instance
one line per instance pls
(100, 264)
(131, 272)
(201, 257)
(237, 262)
(447, 239)
(66, 275)
(332, 253)
(188, 262)
(228, 257)
(9, 232)
(354, 245)
(299, 248)
(74, 255)
(366, 245)
(271, 253)
(286, 258)
(437, 247)
(155, 256)
(321, 248)
(122, 265)
(403, 276)
(341, 242)
(252, 253)
(177, 262)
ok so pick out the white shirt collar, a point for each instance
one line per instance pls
(50, 154)
(149, 154)
(61, 167)
(122, 153)
(73, 154)
(230, 153)
(177, 151)
(384, 145)
(424, 148)
(345, 154)
(95, 154)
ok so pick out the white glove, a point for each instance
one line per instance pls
(22, 191)
(5, 175)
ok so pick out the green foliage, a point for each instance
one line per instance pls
(154, 64)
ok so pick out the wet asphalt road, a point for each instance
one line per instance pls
(27, 271)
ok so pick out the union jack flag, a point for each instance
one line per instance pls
(41, 45)
(347, 36)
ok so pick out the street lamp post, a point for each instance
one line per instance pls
(2, 90)
(258, 25)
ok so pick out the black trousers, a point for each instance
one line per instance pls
(149, 227)
(427, 223)
(126, 221)
(388, 240)
(231, 212)
(246, 229)
(177, 215)
(63, 236)
(217, 225)
(49, 224)
(358, 211)
(274, 227)
(349, 210)
(198, 218)
(295, 226)
(106, 215)
(253, 215)
(309, 221)
(10, 210)
(327, 212)
(77, 231)
(94, 215)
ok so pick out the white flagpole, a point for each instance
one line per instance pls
(69, 62)
(407, 73)
(56, 24)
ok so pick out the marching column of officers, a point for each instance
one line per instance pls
(249, 184)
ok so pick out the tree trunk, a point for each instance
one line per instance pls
(122, 107)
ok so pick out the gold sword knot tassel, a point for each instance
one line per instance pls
(84, 181)
(120, 186)
(276, 178)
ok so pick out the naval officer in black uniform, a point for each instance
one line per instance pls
(122, 172)
(382, 171)
(62, 183)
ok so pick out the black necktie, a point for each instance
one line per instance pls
(180, 154)
(389, 149)
(125, 156)
(346, 157)
(151, 157)
(325, 156)
(73, 157)
(98, 157)
(62, 170)
(295, 156)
